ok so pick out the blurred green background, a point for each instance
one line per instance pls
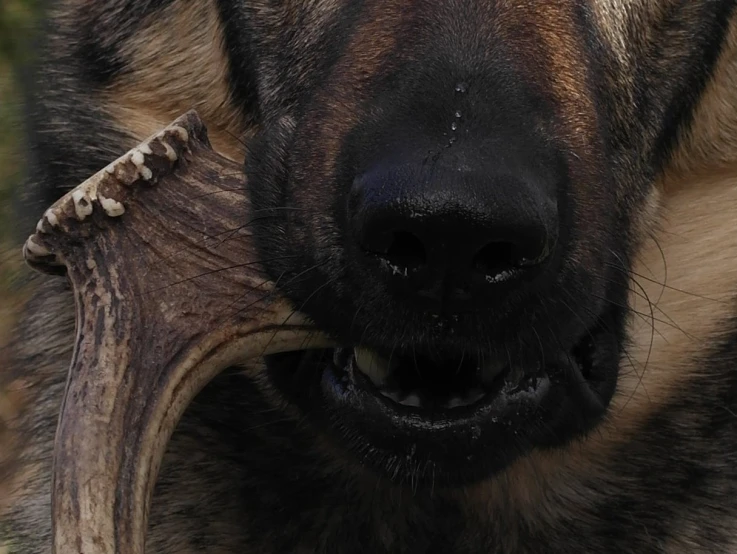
(17, 24)
(17, 19)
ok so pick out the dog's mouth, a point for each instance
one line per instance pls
(464, 416)
(424, 386)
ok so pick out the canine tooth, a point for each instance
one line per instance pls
(372, 365)
(474, 395)
(412, 400)
(392, 395)
(456, 402)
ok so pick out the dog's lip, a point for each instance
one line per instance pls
(350, 387)
(508, 405)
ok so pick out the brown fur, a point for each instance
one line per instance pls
(153, 94)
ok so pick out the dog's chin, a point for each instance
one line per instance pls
(450, 422)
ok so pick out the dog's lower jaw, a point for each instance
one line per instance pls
(413, 430)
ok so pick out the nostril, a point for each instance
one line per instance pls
(495, 258)
(499, 260)
(405, 251)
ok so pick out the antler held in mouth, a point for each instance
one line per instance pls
(168, 293)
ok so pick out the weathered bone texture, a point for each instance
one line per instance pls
(168, 293)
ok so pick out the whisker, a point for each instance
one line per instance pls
(269, 293)
(664, 285)
(625, 352)
(296, 310)
(214, 271)
(640, 294)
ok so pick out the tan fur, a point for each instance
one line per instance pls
(692, 288)
(610, 17)
(712, 138)
(177, 63)
(52, 314)
(687, 542)
(12, 392)
(11, 402)
(614, 18)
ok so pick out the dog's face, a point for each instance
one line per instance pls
(454, 190)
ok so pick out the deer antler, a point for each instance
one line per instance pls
(158, 250)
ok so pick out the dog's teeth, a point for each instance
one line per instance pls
(474, 395)
(372, 365)
(471, 397)
(412, 400)
(455, 402)
(392, 395)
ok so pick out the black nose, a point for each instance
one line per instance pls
(451, 239)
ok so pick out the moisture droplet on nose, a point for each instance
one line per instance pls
(461, 87)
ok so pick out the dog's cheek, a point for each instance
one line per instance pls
(267, 175)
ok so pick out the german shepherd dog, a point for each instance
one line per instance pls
(518, 218)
